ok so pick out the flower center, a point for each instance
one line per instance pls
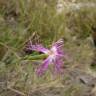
(52, 52)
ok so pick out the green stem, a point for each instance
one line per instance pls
(35, 57)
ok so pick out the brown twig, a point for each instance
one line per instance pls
(9, 48)
(16, 91)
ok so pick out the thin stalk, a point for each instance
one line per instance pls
(35, 57)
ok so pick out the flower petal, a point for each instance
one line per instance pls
(37, 47)
(40, 48)
(43, 67)
(59, 43)
(58, 65)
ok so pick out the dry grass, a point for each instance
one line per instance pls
(19, 19)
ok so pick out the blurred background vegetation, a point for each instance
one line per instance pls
(19, 20)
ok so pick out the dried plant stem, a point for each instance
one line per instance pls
(9, 48)
(47, 85)
(16, 91)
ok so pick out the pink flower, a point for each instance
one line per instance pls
(55, 56)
